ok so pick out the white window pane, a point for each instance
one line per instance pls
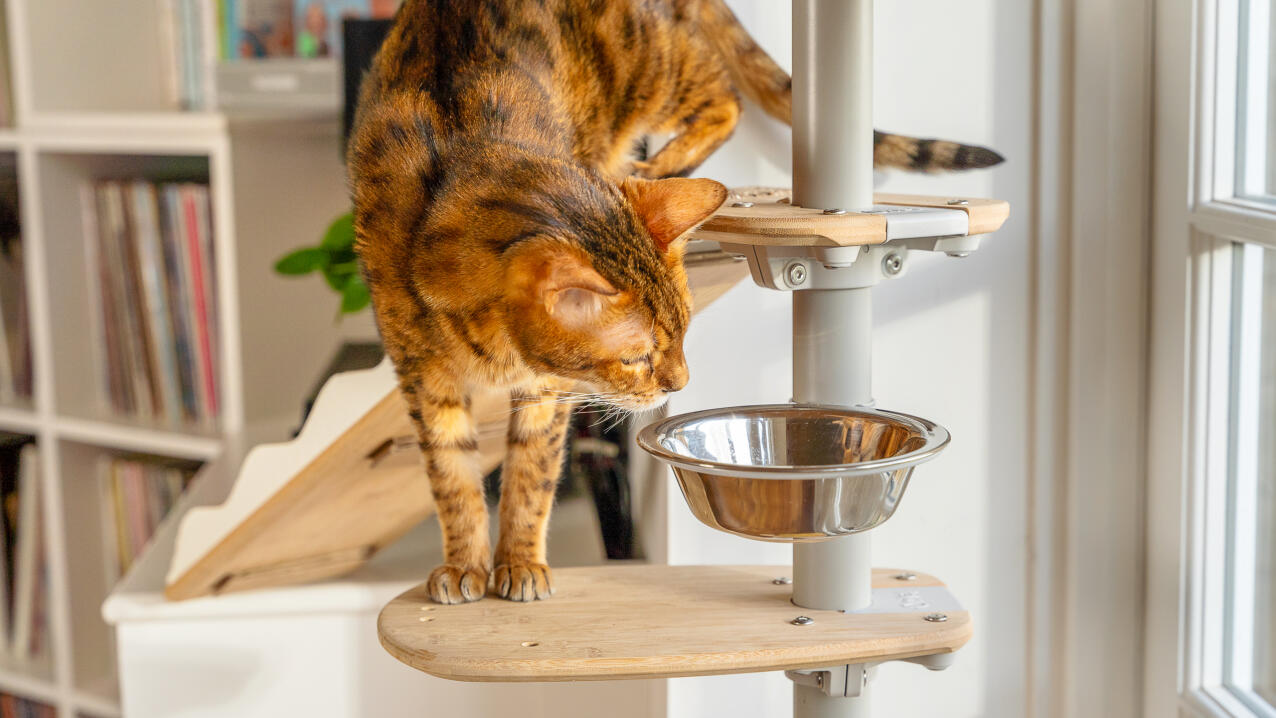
(1250, 663)
(1265, 585)
(1256, 100)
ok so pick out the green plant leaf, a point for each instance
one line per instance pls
(336, 278)
(302, 261)
(340, 234)
(355, 296)
(341, 256)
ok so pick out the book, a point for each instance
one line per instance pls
(179, 300)
(265, 28)
(197, 245)
(137, 494)
(7, 393)
(152, 281)
(15, 707)
(111, 558)
(15, 362)
(204, 226)
(28, 559)
(163, 346)
(318, 23)
(104, 351)
(144, 358)
(169, 43)
(123, 305)
(11, 448)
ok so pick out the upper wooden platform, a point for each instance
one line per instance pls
(765, 216)
(631, 621)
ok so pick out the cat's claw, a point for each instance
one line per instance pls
(454, 584)
(524, 582)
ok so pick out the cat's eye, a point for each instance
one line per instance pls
(645, 358)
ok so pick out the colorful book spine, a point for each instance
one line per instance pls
(23, 568)
(152, 282)
(137, 494)
(201, 292)
(155, 293)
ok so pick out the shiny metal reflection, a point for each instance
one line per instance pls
(793, 472)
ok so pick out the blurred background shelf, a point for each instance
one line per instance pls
(88, 95)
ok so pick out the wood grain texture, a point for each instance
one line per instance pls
(364, 490)
(632, 621)
(355, 497)
(772, 221)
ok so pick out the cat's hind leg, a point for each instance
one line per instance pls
(440, 409)
(537, 433)
(702, 125)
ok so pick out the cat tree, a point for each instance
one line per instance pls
(819, 472)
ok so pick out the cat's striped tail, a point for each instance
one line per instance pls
(756, 75)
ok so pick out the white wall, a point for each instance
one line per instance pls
(952, 344)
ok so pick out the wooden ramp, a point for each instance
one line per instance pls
(613, 622)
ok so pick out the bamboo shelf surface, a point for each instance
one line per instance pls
(635, 621)
(769, 219)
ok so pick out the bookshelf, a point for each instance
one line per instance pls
(89, 101)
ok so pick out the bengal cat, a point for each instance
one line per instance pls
(511, 237)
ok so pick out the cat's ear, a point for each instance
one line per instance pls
(671, 208)
(573, 291)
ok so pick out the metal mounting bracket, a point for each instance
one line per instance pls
(836, 682)
(803, 268)
(851, 681)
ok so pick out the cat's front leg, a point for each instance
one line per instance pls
(440, 408)
(538, 430)
(702, 128)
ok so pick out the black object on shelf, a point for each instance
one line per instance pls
(351, 356)
(361, 39)
(599, 457)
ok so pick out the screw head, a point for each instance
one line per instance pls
(905, 577)
(802, 621)
(741, 204)
(835, 210)
(892, 264)
(796, 273)
(782, 580)
(958, 202)
(936, 617)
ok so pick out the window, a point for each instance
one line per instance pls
(1255, 100)
(1212, 434)
(1249, 654)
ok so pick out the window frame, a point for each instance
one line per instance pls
(1191, 408)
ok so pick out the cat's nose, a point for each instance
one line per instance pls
(674, 380)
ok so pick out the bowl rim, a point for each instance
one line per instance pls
(936, 438)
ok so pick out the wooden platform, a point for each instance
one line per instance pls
(764, 216)
(638, 621)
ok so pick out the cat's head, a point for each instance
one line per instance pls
(596, 291)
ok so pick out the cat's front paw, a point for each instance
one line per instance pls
(454, 584)
(524, 581)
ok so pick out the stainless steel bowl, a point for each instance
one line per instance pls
(793, 472)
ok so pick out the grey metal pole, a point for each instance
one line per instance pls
(832, 329)
(832, 364)
(833, 103)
